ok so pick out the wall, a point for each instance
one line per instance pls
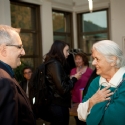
(47, 27)
(5, 12)
(97, 4)
(118, 21)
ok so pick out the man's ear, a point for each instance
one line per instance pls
(3, 50)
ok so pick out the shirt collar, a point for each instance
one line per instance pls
(115, 80)
(9, 69)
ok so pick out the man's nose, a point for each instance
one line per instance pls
(23, 52)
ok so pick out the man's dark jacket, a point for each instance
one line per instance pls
(15, 108)
(23, 85)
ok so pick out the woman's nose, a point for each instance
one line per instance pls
(94, 62)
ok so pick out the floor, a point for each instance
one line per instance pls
(41, 122)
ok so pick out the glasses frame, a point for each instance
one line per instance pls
(17, 46)
(25, 73)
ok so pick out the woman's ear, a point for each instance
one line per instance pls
(114, 62)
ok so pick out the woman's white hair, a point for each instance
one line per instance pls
(7, 33)
(110, 49)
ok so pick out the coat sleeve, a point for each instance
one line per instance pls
(8, 103)
(83, 107)
(58, 77)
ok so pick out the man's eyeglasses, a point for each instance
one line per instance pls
(18, 46)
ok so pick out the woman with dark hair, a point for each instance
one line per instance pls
(59, 83)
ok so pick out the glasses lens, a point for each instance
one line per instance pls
(27, 72)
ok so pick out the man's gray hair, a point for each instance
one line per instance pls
(110, 49)
(7, 34)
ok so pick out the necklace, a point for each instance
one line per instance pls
(82, 69)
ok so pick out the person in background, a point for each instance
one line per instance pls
(15, 108)
(59, 83)
(82, 65)
(27, 73)
(104, 102)
(70, 62)
(93, 76)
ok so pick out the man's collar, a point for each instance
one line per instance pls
(8, 69)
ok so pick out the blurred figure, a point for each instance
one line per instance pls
(104, 102)
(93, 75)
(59, 83)
(82, 65)
(70, 62)
(15, 108)
(27, 73)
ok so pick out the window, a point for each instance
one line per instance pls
(92, 27)
(62, 26)
(26, 16)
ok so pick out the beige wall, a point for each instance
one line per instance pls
(118, 21)
(47, 28)
(5, 12)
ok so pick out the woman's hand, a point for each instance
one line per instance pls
(78, 75)
(100, 96)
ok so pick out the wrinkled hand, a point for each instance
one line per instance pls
(78, 75)
(100, 96)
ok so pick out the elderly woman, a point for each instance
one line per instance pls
(104, 103)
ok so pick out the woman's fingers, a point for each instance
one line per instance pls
(109, 94)
(108, 98)
(103, 94)
(106, 88)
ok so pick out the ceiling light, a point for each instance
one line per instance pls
(90, 5)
